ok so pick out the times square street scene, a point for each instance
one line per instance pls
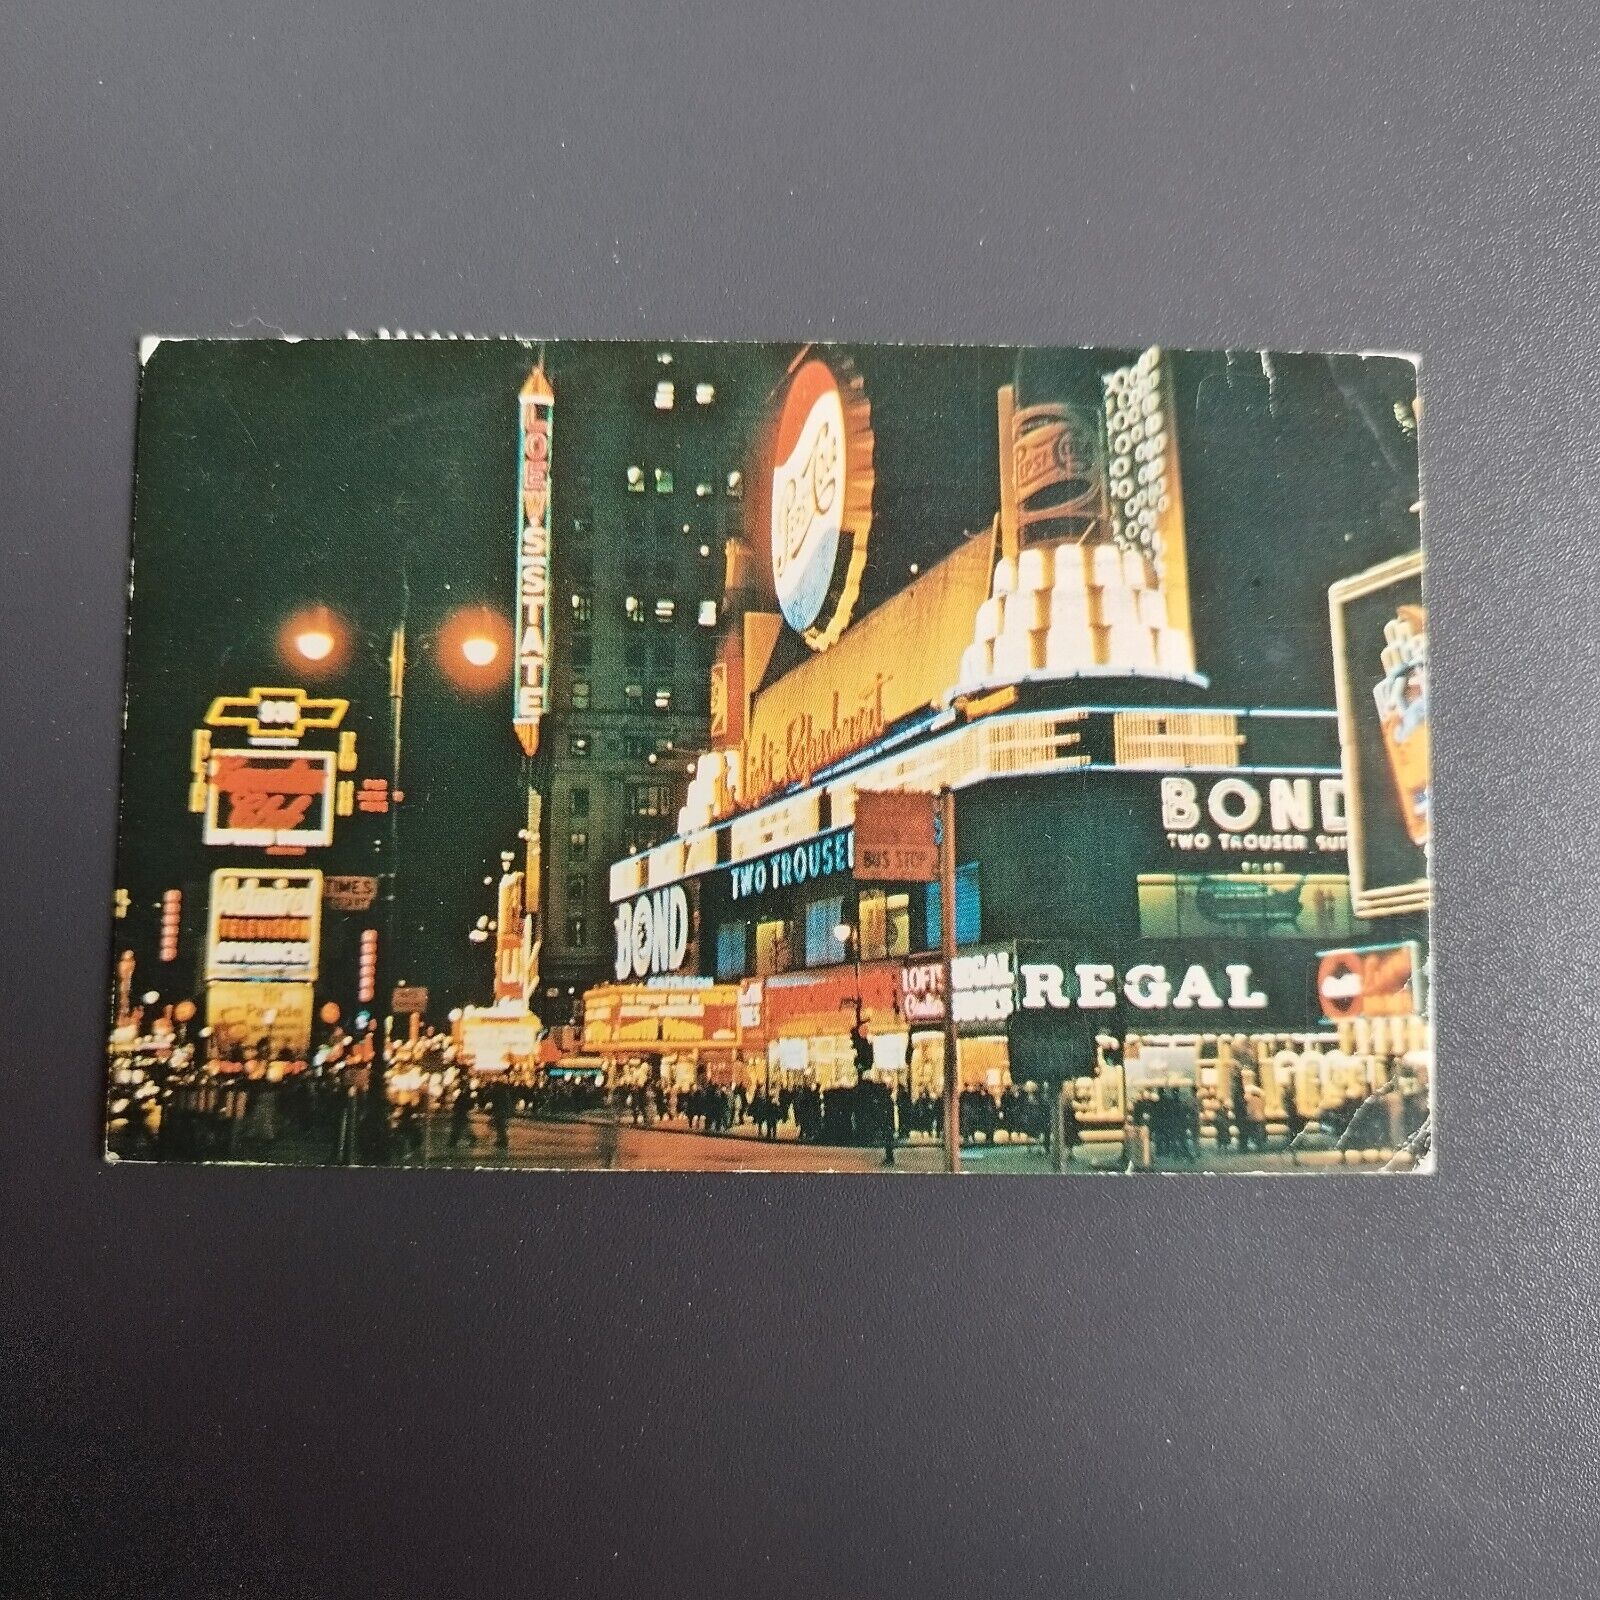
(776, 758)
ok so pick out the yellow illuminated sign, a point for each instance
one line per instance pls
(287, 714)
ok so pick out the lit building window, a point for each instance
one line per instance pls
(708, 614)
(702, 491)
(578, 846)
(649, 800)
(633, 606)
(633, 693)
(664, 357)
(705, 550)
(772, 947)
(969, 908)
(704, 393)
(582, 609)
(732, 939)
(663, 480)
(665, 395)
(578, 744)
(885, 923)
(636, 480)
(580, 694)
(666, 610)
(823, 948)
(735, 485)
(577, 929)
(663, 699)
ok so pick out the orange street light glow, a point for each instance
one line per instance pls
(315, 639)
(474, 648)
(315, 644)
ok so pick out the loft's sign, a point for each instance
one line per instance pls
(793, 865)
(652, 933)
(985, 986)
(1145, 985)
(1243, 815)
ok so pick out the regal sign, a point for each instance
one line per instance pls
(264, 925)
(821, 497)
(270, 799)
(1144, 985)
(531, 679)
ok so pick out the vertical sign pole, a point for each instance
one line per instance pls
(947, 951)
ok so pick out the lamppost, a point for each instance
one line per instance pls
(472, 652)
(850, 938)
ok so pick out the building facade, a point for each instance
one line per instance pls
(655, 436)
(1138, 856)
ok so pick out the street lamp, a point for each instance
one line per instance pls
(847, 936)
(472, 652)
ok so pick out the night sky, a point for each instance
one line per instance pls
(273, 474)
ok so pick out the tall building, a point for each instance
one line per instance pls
(647, 468)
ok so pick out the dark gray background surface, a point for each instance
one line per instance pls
(355, 1383)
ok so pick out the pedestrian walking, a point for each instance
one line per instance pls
(461, 1114)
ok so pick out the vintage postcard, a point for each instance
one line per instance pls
(774, 757)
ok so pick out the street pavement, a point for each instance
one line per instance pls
(596, 1142)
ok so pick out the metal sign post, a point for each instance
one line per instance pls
(947, 952)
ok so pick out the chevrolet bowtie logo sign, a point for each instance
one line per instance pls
(276, 714)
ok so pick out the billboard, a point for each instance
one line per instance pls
(904, 657)
(819, 508)
(270, 799)
(1380, 644)
(253, 1015)
(264, 925)
(1370, 981)
(647, 1018)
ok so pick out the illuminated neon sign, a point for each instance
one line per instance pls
(531, 680)
(270, 798)
(276, 716)
(821, 500)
